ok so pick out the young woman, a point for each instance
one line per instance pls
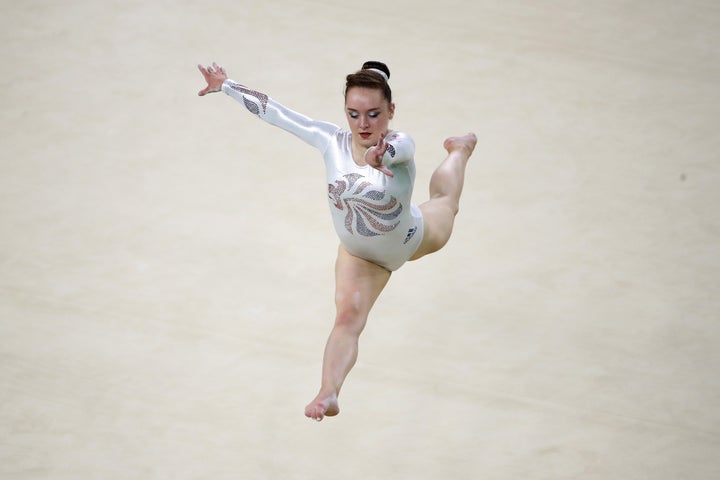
(370, 174)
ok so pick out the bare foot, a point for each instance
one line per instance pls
(324, 405)
(466, 142)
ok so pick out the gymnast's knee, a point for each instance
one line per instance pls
(350, 318)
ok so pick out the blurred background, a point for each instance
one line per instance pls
(166, 260)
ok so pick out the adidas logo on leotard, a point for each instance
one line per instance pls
(410, 234)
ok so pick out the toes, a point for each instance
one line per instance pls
(315, 412)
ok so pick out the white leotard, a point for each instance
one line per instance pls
(371, 211)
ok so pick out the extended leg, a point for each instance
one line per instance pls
(358, 284)
(446, 186)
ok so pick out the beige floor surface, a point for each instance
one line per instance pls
(166, 260)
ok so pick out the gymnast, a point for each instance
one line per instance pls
(370, 173)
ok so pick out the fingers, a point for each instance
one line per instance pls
(214, 75)
(381, 144)
(385, 170)
(218, 68)
(374, 156)
(211, 70)
(375, 160)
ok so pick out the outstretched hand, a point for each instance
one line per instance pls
(214, 76)
(374, 156)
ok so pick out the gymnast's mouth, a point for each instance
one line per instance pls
(365, 134)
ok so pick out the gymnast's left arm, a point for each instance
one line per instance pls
(396, 148)
(400, 149)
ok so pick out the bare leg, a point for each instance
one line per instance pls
(446, 186)
(358, 284)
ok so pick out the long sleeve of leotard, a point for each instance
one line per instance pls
(401, 149)
(313, 132)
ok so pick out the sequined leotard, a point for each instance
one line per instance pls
(371, 211)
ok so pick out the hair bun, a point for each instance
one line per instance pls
(378, 67)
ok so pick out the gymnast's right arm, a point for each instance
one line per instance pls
(315, 133)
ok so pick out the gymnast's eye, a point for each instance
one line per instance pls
(353, 114)
(374, 114)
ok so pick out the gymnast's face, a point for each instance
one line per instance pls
(368, 113)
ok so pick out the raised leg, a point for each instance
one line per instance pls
(446, 186)
(358, 284)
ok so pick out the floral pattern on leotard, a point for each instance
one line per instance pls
(249, 104)
(368, 212)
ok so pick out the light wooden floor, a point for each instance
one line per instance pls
(166, 260)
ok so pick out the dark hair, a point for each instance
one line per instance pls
(367, 78)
